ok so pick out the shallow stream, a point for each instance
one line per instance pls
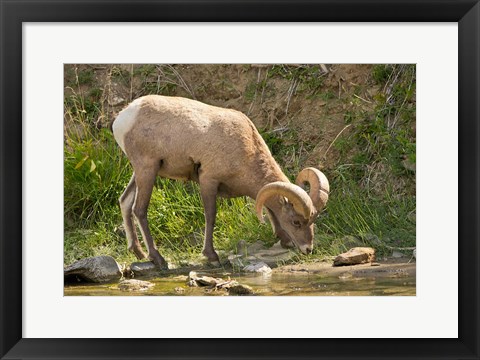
(275, 284)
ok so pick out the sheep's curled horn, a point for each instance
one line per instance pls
(307, 205)
(319, 186)
(295, 194)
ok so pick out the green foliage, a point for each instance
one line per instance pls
(95, 173)
(83, 110)
(387, 136)
(273, 141)
(262, 88)
(353, 211)
(381, 73)
(121, 75)
(160, 80)
(327, 95)
(85, 77)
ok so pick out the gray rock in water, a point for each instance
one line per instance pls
(94, 269)
(259, 267)
(358, 255)
(135, 285)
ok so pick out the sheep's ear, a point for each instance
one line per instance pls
(283, 200)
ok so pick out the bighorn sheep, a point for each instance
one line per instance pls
(220, 149)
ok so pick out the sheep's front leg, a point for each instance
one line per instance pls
(145, 180)
(126, 205)
(208, 191)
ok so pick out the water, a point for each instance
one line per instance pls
(276, 284)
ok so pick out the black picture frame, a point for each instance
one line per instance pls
(14, 13)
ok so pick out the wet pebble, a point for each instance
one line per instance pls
(135, 285)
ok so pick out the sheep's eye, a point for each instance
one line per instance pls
(296, 223)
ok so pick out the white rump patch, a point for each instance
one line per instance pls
(125, 121)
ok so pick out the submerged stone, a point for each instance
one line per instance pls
(135, 285)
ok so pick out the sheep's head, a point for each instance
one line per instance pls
(292, 209)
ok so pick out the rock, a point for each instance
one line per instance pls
(94, 269)
(414, 253)
(240, 289)
(179, 290)
(241, 248)
(256, 247)
(116, 100)
(214, 284)
(276, 254)
(194, 279)
(257, 252)
(397, 254)
(259, 267)
(358, 255)
(135, 285)
(146, 268)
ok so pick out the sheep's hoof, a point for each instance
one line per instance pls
(212, 258)
(159, 261)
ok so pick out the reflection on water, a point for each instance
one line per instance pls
(277, 284)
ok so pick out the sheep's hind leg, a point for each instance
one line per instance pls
(126, 204)
(208, 191)
(145, 181)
